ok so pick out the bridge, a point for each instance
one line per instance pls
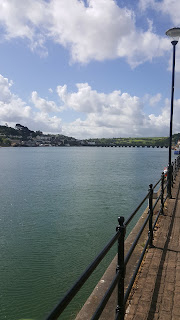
(143, 280)
(106, 145)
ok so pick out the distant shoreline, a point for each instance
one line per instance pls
(21, 136)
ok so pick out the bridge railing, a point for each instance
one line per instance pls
(122, 260)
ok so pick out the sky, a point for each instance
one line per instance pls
(89, 68)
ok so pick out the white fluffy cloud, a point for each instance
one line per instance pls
(167, 7)
(163, 119)
(43, 104)
(152, 100)
(46, 122)
(98, 30)
(155, 99)
(115, 114)
(5, 93)
(25, 20)
(10, 105)
(14, 110)
(90, 101)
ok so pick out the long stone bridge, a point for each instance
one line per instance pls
(105, 145)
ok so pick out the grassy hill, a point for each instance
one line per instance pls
(155, 141)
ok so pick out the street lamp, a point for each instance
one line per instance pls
(174, 34)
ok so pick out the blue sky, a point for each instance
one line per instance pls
(89, 69)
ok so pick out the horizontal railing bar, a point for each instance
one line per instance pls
(156, 184)
(165, 185)
(135, 211)
(135, 272)
(156, 219)
(165, 198)
(79, 283)
(156, 202)
(106, 297)
(135, 242)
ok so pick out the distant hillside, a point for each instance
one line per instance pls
(9, 131)
(22, 136)
(8, 134)
(22, 131)
(156, 141)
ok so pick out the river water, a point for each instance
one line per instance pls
(58, 208)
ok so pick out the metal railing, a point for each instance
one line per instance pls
(122, 260)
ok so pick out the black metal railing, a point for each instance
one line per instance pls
(122, 260)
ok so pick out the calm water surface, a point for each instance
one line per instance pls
(59, 207)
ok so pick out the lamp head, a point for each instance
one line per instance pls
(173, 34)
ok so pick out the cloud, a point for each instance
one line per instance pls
(49, 124)
(155, 99)
(115, 114)
(91, 32)
(145, 4)
(84, 100)
(167, 7)
(162, 121)
(10, 105)
(25, 20)
(43, 104)
(14, 110)
(177, 60)
(152, 100)
(95, 30)
(170, 8)
(5, 93)
(90, 101)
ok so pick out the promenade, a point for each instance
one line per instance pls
(156, 293)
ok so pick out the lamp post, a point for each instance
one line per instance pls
(174, 34)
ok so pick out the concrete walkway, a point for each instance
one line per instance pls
(156, 294)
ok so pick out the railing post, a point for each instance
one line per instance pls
(120, 309)
(175, 168)
(162, 193)
(172, 176)
(169, 181)
(177, 162)
(150, 215)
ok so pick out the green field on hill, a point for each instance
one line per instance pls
(155, 141)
